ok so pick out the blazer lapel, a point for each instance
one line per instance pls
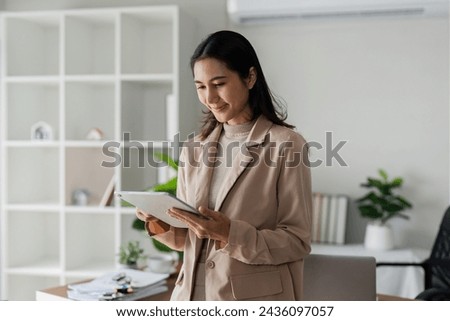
(243, 158)
(205, 168)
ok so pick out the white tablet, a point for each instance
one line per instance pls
(157, 204)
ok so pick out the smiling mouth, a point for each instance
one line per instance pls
(218, 108)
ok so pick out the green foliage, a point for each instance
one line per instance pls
(167, 159)
(380, 203)
(131, 253)
(169, 187)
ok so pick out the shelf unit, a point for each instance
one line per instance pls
(122, 70)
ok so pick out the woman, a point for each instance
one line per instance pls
(248, 173)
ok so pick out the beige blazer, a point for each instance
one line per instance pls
(268, 198)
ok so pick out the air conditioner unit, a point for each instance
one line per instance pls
(248, 11)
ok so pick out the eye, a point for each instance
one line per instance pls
(219, 84)
(200, 87)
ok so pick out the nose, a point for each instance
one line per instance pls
(212, 97)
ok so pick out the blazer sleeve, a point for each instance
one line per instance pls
(291, 239)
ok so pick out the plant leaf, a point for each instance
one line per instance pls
(383, 174)
(166, 159)
(392, 207)
(405, 203)
(370, 211)
(375, 182)
(169, 186)
(396, 182)
(160, 246)
(138, 225)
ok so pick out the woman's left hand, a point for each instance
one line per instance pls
(215, 227)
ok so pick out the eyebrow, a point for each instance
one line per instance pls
(212, 79)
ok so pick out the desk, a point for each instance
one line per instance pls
(59, 293)
(404, 282)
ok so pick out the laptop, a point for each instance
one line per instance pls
(339, 278)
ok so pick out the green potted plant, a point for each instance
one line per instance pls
(170, 187)
(130, 254)
(381, 204)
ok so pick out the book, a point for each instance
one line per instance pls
(315, 225)
(324, 216)
(342, 205)
(108, 195)
(332, 219)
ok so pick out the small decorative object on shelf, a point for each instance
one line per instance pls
(380, 205)
(80, 197)
(95, 134)
(130, 254)
(41, 131)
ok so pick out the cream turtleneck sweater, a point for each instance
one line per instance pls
(230, 141)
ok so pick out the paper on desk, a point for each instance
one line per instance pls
(139, 293)
(96, 288)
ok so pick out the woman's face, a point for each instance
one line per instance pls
(223, 92)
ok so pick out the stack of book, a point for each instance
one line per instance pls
(329, 218)
(123, 285)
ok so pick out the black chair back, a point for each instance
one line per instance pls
(439, 273)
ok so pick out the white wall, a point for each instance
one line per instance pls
(380, 84)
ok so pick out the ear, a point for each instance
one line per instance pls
(251, 79)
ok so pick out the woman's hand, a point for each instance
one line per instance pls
(215, 227)
(152, 224)
(144, 216)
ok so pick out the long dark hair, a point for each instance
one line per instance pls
(238, 54)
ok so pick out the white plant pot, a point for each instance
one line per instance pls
(379, 237)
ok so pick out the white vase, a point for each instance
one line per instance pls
(379, 237)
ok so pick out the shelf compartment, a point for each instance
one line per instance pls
(39, 250)
(95, 33)
(32, 45)
(34, 176)
(30, 103)
(138, 173)
(144, 110)
(147, 41)
(23, 288)
(89, 105)
(90, 244)
(141, 170)
(84, 171)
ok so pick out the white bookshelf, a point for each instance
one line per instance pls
(76, 70)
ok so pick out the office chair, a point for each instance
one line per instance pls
(436, 267)
(339, 278)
